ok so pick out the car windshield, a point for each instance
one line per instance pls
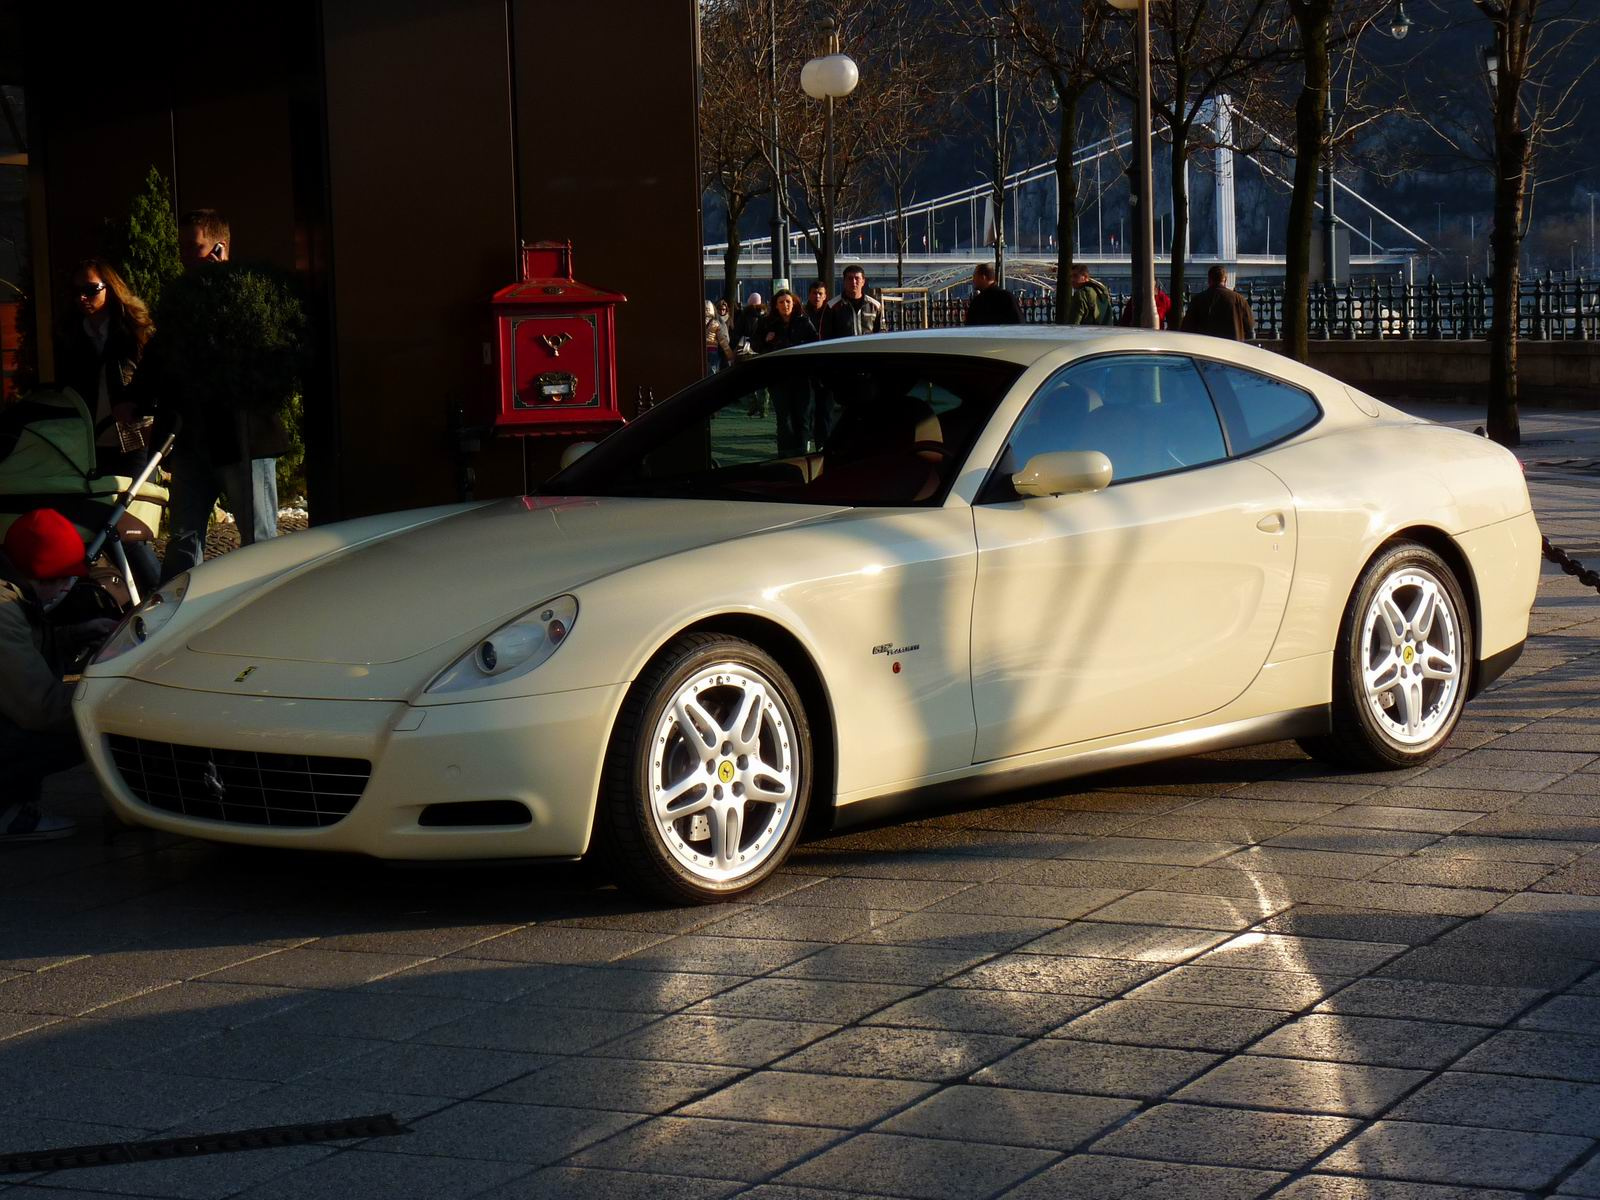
(816, 428)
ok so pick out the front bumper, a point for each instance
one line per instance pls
(545, 751)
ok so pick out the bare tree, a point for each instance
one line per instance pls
(1063, 43)
(734, 162)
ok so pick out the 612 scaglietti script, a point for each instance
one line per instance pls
(1106, 546)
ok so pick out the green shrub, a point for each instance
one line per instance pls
(145, 243)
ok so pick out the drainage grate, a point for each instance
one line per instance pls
(111, 1153)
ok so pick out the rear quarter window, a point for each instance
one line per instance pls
(1257, 409)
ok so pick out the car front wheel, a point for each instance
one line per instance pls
(1402, 664)
(708, 775)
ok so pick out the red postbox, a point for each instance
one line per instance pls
(558, 349)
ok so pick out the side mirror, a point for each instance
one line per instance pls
(574, 452)
(1061, 472)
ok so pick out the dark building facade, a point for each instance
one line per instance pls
(392, 153)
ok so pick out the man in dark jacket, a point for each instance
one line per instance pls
(854, 312)
(43, 557)
(1219, 310)
(991, 304)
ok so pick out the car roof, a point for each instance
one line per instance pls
(1021, 344)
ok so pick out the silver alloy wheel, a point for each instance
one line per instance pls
(1411, 656)
(724, 772)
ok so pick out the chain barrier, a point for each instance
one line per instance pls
(1587, 576)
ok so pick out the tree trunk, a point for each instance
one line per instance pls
(730, 257)
(1178, 248)
(1067, 206)
(1309, 113)
(1510, 190)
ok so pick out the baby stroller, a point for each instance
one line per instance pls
(47, 460)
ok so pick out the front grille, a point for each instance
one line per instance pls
(241, 787)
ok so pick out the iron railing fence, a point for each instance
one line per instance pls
(1552, 308)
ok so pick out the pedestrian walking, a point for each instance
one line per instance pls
(719, 352)
(230, 443)
(1219, 310)
(817, 304)
(99, 351)
(42, 557)
(1090, 301)
(991, 304)
(1130, 315)
(784, 326)
(854, 312)
(747, 324)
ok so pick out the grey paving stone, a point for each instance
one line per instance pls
(1466, 800)
(364, 1014)
(70, 990)
(795, 1098)
(1181, 826)
(208, 1177)
(294, 1103)
(1179, 1026)
(1526, 760)
(708, 1148)
(577, 1183)
(422, 939)
(1218, 880)
(426, 1070)
(631, 991)
(1096, 1177)
(984, 1010)
(1528, 934)
(934, 1055)
(961, 932)
(1228, 1137)
(1028, 900)
(919, 965)
(1325, 864)
(524, 1133)
(1196, 912)
(471, 979)
(827, 1000)
(1281, 800)
(1096, 1069)
(779, 1191)
(786, 922)
(1140, 943)
(1345, 1187)
(616, 1084)
(1010, 1117)
(1105, 977)
(1585, 1181)
(1302, 1085)
(265, 1052)
(313, 968)
(902, 895)
(561, 944)
(1476, 966)
(1314, 955)
(919, 1167)
(139, 1099)
(1422, 1000)
(722, 1041)
(1503, 849)
(1463, 872)
(1456, 778)
(1454, 1154)
(1533, 1052)
(1416, 898)
(1371, 831)
(1538, 1105)
(1381, 1041)
(535, 1029)
(1167, 852)
(392, 1176)
(718, 955)
(1368, 815)
(1286, 990)
(1088, 873)
(1565, 1014)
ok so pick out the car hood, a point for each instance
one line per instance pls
(398, 597)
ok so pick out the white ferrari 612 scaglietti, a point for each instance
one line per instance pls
(832, 581)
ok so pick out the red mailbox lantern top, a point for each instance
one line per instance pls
(557, 341)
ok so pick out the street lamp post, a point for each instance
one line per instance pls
(1144, 246)
(999, 157)
(829, 78)
(780, 210)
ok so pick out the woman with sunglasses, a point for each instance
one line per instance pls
(103, 335)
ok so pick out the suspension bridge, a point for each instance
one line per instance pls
(947, 235)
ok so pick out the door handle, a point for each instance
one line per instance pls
(1271, 523)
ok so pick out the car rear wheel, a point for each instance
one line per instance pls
(1401, 667)
(708, 775)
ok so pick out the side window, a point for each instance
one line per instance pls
(1149, 414)
(1258, 410)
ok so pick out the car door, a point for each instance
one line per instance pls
(1154, 600)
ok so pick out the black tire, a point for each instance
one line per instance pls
(1359, 737)
(631, 841)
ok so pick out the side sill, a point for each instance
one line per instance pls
(990, 779)
(1496, 665)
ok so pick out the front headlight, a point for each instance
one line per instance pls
(514, 649)
(147, 620)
